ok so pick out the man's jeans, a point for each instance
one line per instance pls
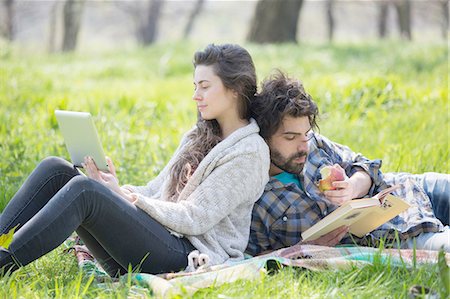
(429, 241)
(437, 187)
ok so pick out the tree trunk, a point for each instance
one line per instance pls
(53, 27)
(149, 27)
(383, 7)
(445, 19)
(330, 19)
(275, 21)
(72, 19)
(8, 31)
(198, 7)
(134, 10)
(403, 8)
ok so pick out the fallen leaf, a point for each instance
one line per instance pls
(6, 239)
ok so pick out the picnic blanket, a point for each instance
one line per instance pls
(310, 257)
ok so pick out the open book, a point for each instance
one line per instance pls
(360, 215)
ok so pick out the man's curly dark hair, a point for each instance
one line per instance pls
(282, 96)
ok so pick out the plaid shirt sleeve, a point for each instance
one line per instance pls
(350, 161)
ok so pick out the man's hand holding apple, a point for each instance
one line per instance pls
(338, 188)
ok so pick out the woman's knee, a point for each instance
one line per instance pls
(53, 163)
(79, 190)
(96, 191)
(82, 183)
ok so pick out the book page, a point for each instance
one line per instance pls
(361, 215)
(380, 196)
(334, 220)
(391, 207)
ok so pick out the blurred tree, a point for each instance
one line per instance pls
(7, 29)
(445, 19)
(53, 26)
(149, 27)
(330, 19)
(275, 21)
(383, 6)
(145, 16)
(194, 13)
(403, 8)
(72, 18)
(134, 9)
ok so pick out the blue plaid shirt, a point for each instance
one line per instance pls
(284, 211)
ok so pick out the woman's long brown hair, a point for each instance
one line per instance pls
(234, 66)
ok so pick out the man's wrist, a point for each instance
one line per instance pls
(362, 182)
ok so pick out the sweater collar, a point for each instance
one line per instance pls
(232, 139)
(241, 133)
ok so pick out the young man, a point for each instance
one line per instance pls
(292, 202)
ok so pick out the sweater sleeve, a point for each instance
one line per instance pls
(239, 179)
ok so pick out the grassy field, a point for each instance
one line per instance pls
(387, 100)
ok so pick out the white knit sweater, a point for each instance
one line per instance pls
(214, 208)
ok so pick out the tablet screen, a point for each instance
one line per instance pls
(81, 137)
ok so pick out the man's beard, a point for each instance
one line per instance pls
(287, 164)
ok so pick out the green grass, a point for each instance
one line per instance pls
(387, 100)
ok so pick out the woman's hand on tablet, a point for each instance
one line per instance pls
(109, 179)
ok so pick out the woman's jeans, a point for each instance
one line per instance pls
(56, 200)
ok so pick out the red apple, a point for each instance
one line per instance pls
(330, 174)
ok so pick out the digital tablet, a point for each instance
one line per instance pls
(81, 137)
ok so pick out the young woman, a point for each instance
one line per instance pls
(202, 199)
